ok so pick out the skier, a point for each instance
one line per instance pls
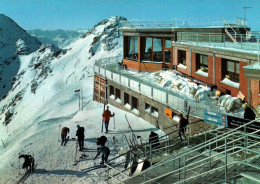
(249, 113)
(64, 132)
(81, 136)
(101, 141)
(106, 117)
(28, 162)
(154, 139)
(105, 153)
(182, 126)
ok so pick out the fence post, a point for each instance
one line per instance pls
(151, 154)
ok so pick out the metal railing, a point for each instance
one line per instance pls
(184, 22)
(171, 98)
(221, 142)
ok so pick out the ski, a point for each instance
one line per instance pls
(114, 122)
(129, 124)
(26, 175)
(91, 168)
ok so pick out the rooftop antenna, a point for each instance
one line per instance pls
(245, 7)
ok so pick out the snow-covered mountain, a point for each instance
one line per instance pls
(14, 42)
(42, 100)
(59, 38)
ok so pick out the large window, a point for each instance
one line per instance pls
(132, 48)
(152, 48)
(167, 50)
(182, 57)
(202, 62)
(157, 49)
(230, 70)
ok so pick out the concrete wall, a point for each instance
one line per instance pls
(162, 121)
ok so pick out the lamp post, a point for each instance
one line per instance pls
(78, 91)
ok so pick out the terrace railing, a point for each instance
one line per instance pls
(173, 99)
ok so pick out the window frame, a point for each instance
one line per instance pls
(199, 62)
(233, 76)
(132, 104)
(180, 56)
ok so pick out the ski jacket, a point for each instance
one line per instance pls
(106, 115)
(80, 133)
(249, 114)
(102, 140)
(27, 159)
(65, 130)
(183, 122)
(104, 150)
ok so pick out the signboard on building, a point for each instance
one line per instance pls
(215, 118)
(234, 122)
(168, 112)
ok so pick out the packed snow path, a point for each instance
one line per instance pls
(55, 162)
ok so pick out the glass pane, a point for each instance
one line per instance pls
(167, 56)
(204, 63)
(135, 45)
(167, 43)
(157, 44)
(182, 57)
(230, 66)
(157, 49)
(237, 68)
(130, 47)
(148, 49)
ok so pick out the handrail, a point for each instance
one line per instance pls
(203, 160)
(229, 25)
(211, 141)
(207, 143)
(247, 32)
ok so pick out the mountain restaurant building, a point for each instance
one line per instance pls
(212, 56)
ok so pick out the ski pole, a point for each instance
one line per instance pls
(114, 122)
(59, 134)
(76, 151)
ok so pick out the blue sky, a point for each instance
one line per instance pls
(73, 14)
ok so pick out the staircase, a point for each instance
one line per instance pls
(224, 157)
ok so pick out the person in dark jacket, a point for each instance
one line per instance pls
(101, 141)
(249, 113)
(106, 117)
(28, 162)
(81, 136)
(154, 139)
(64, 132)
(105, 153)
(182, 126)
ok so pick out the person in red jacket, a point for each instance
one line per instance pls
(106, 117)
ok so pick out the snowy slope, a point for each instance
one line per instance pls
(43, 99)
(14, 42)
(60, 38)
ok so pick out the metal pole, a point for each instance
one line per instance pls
(258, 56)
(151, 154)
(184, 169)
(225, 159)
(81, 99)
